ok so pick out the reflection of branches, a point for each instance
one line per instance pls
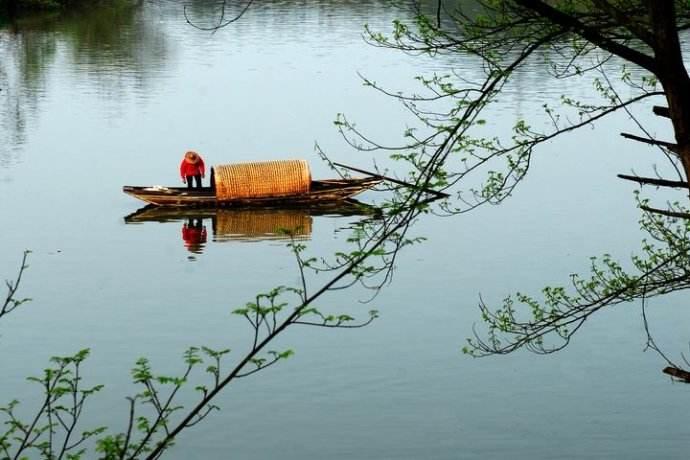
(11, 302)
(222, 18)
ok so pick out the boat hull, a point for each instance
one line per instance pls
(323, 191)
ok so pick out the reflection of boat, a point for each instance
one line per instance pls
(272, 183)
(252, 223)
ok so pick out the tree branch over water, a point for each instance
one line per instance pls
(453, 147)
(155, 419)
(548, 325)
(573, 40)
(503, 39)
(155, 416)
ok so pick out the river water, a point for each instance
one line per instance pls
(99, 99)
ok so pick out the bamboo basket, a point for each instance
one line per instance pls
(261, 179)
(258, 224)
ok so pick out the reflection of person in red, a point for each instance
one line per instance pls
(192, 168)
(194, 235)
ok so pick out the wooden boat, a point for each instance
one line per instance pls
(321, 191)
(273, 183)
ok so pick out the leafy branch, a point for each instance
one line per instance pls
(569, 40)
(155, 415)
(11, 302)
(51, 433)
(548, 325)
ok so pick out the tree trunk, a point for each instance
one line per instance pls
(672, 75)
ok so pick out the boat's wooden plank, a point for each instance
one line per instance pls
(322, 191)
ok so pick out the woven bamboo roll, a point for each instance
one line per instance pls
(261, 179)
(259, 224)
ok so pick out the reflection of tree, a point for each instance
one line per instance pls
(114, 47)
(118, 46)
(266, 14)
(27, 56)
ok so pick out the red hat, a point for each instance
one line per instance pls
(191, 157)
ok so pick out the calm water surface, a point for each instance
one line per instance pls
(93, 101)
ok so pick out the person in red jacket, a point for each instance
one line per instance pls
(192, 168)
